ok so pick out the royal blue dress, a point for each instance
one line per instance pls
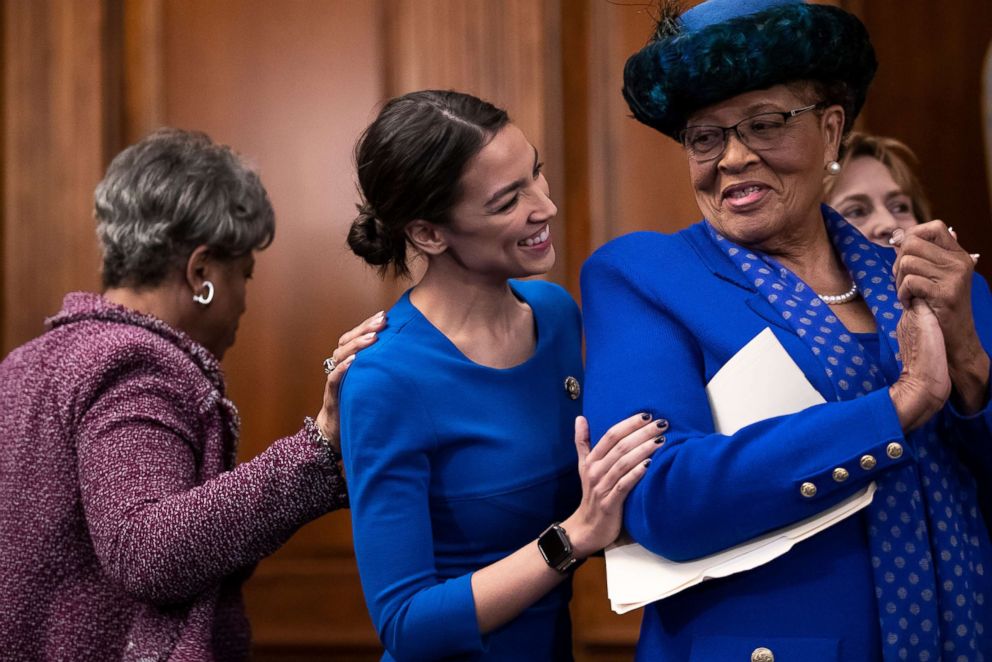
(453, 466)
(663, 314)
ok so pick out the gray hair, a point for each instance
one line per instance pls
(167, 194)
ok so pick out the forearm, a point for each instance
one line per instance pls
(167, 547)
(707, 493)
(968, 364)
(503, 590)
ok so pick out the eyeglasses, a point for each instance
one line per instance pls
(758, 132)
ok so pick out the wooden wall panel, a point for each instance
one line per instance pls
(926, 93)
(56, 106)
(638, 178)
(142, 69)
(290, 85)
(504, 51)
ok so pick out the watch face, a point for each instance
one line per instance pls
(553, 546)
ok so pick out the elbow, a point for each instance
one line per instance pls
(416, 637)
(148, 584)
(149, 575)
(678, 537)
(670, 543)
(679, 549)
(400, 645)
(676, 545)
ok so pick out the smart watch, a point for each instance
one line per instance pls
(556, 548)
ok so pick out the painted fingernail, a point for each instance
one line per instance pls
(897, 236)
(369, 336)
(660, 440)
(975, 256)
(952, 232)
(662, 424)
(379, 316)
(645, 416)
(647, 462)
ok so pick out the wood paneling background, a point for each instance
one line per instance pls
(926, 94)
(57, 102)
(291, 84)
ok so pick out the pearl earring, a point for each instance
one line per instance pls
(833, 168)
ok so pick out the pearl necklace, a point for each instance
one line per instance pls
(837, 299)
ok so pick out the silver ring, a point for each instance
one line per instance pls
(329, 365)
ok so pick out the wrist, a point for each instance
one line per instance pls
(317, 436)
(580, 535)
(556, 548)
(912, 404)
(327, 426)
(966, 354)
(970, 379)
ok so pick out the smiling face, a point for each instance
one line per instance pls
(501, 226)
(867, 195)
(763, 198)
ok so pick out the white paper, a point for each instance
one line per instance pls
(761, 381)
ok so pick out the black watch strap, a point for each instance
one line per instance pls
(556, 548)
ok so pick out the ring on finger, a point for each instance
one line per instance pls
(329, 365)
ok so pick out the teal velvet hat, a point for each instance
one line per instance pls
(722, 48)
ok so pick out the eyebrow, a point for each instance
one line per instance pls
(511, 186)
(854, 197)
(861, 197)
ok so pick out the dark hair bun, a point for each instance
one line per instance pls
(409, 162)
(369, 238)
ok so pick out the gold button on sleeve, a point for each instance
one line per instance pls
(808, 490)
(868, 462)
(840, 474)
(894, 450)
(762, 654)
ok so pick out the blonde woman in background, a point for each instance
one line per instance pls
(876, 190)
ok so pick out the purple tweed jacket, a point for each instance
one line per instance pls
(126, 531)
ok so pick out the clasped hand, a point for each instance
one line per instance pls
(931, 266)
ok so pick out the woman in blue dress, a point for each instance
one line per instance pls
(894, 342)
(468, 507)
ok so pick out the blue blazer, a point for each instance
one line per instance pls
(663, 313)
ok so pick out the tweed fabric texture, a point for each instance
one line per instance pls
(126, 531)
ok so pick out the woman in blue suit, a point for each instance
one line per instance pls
(895, 341)
(457, 426)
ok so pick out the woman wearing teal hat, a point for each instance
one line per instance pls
(893, 344)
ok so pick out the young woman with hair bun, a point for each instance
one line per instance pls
(461, 426)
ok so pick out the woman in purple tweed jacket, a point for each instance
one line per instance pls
(126, 531)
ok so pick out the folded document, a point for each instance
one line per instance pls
(761, 381)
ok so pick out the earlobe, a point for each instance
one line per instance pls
(427, 237)
(197, 266)
(833, 127)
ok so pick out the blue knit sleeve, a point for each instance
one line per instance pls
(387, 438)
(705, 492)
